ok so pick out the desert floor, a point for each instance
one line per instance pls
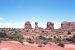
(14, 45)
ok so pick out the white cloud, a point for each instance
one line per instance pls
(11, 25)
(57, 25)
(33, 17)
(1, 18)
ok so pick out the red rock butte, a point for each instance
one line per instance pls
(67, 26)
(27, 25)
(50, 25)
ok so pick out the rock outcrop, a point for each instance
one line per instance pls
(67, 26)
(50, 26)
(36, 25)
(27, 25)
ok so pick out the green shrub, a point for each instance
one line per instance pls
(3, 35)
(61, 44)
(30, 40)
(16, 37)
(42, 40)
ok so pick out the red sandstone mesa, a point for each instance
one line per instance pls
(67, 26)
(50, 26)
(27, 25)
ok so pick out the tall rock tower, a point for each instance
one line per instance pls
(36, 25)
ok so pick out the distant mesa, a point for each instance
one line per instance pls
(67, 26)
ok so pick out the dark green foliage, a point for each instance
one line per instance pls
(30, 40)
(57, 39)
(41, 37)
(49, 39)
(68, 39)
(16, 37)
(61, 44)
(11, 36)
(42, 40)
(71, 39)
(3, 35)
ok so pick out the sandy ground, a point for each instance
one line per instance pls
(14, 45)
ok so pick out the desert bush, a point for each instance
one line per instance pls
(50, 38)
(29, 40)
(3, 36)
(15, 36)
(57, 39)
(42, 40)
(61, 44)
(39, 45)
(73, 39)
(41, 37)
(69, 33)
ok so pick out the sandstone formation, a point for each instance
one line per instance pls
(36, 25)
(67, 26)
(50, 26)
(27, 25)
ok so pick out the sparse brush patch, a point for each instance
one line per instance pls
(39, 45)
(29, 40)
(42, 40)
(16, 38)
(3, 35)
(61, 44)
(69, 33)
(12, 35)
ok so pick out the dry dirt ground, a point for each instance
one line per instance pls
(13, 45)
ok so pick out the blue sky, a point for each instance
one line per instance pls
(14, 13)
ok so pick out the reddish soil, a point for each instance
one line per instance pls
(13, 45)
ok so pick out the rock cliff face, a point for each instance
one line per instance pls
(27, 25)
(50, 26)
(67, 26)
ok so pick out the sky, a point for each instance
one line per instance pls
(14, 13)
